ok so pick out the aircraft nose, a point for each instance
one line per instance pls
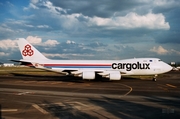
(167, 68)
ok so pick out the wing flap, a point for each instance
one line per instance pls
(39, 66)
(106, 73)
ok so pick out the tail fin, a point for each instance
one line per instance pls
(28, 51)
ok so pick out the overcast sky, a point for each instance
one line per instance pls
(92, 29)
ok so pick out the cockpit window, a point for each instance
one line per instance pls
(159, 60)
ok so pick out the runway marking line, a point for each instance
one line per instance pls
(9, 110)
(171, 85)
(55, 83)
(129, 90)
(40, 109)
(163, 88)
(24, 93)
(82, 104)
(40, 82)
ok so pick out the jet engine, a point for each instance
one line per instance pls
(115, 75)
(88, 75)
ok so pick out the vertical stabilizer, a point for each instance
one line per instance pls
(28, 51)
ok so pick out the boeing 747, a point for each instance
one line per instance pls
(88, 69)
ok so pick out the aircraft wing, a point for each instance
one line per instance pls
(39, 66)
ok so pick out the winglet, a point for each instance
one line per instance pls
(28, 51)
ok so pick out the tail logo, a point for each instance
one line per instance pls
(27, 50)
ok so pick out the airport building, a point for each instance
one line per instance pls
(7, 65)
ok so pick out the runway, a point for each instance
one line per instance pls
(62, 97)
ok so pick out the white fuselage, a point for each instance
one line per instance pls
(136, 66)
(88, 69)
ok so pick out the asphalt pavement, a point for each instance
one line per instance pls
(60, 97)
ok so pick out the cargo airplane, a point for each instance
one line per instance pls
(88, 69)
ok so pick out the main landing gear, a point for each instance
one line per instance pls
(154, 78)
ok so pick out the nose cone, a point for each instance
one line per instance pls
(167, 67)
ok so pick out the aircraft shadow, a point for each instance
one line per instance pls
(69, 78)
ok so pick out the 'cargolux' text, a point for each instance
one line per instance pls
(130, 66)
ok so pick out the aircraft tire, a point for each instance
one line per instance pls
(154, 79)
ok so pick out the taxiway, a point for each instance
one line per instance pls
(68, 97)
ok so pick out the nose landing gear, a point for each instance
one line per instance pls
(154, 78)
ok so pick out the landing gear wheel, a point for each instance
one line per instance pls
(154, 79)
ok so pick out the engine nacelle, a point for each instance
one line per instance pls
(115, 75)
(88, 75)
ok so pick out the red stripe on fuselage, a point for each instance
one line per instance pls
(77, 64)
